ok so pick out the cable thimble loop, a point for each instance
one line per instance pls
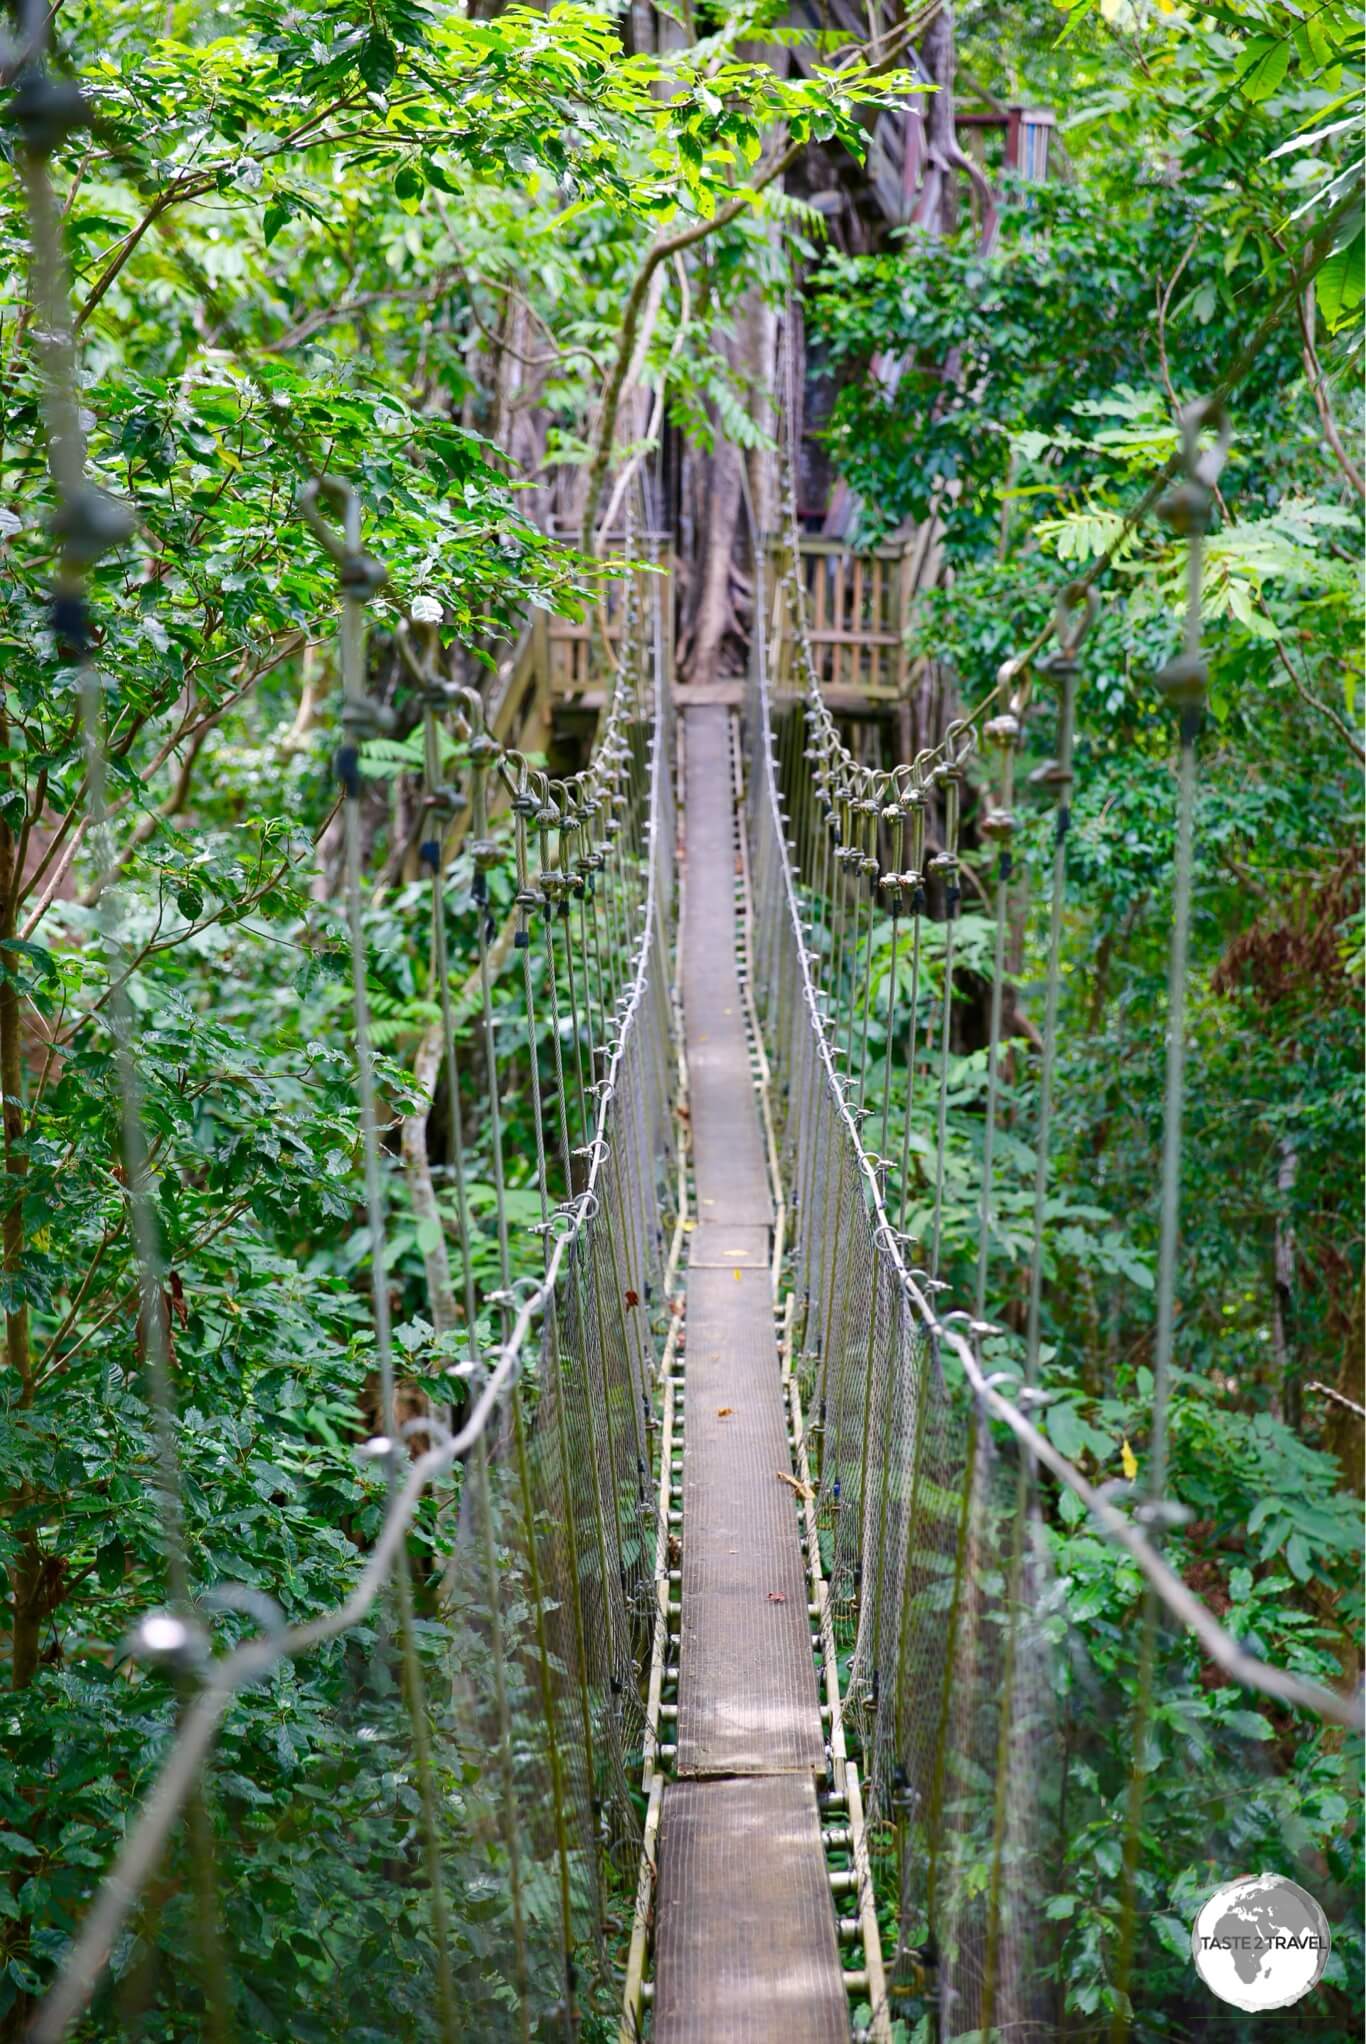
(948, 774)
(527, 803)
(1076, 610)
(999, 823)
(1186, 507)
(360, 576)
(483, 751)
(1186, 511)
(359, 573)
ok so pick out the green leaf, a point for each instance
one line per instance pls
(1249, 1724)
(1174, 1934)
(1262, 66)
(1071, 1510)
(1065, 1430)
(1339, 285)
(377, 62)
(277, 212)
(408, 184)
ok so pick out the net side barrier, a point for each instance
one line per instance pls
(499, 1725)
(972, 1700)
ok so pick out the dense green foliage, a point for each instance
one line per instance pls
(1112, 298)
(308, 239)
(296, 239)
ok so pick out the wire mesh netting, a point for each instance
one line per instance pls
(1008, 1730)
(490, 1711)
(1011, 1732)
(548, 1649)
(936, 1617)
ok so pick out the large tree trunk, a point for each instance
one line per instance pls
(937, 208)
(713, 615)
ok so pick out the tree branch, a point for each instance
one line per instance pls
(662, 251)
(1313, 369)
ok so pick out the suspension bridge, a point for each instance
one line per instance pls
(749, 1713)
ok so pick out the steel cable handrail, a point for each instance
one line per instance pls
(220, 1680)
(1220, 1645)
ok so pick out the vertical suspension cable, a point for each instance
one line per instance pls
(486, 854)
(1077, 607)
(528, 898)
(893, 885)
(360, 577)
(998, 828)
(870, 810)
(949, 775)
(916, 800)
(88, 524)
(443, 802)
(1186, 510)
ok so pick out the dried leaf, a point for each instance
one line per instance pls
(803, 1490)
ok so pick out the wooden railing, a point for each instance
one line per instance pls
(857, 604)
(573, 671)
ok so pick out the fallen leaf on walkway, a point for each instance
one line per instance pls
(776, 1597)
(633, 1298)
(724, 1411)
(803, 1490)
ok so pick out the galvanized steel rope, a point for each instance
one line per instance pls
(605, 843)
(931, 1466)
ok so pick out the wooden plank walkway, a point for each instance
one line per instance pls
(744, 1934)
(745, 1940)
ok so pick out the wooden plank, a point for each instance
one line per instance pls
(745, 1943)
(630, 2030)
(747, 1687)
(729, 1169)
(881, 2032)
(747, 1696)
(812, 544)
(832, 638)
(746, 1947)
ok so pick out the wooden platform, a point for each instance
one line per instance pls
(745, 1940)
